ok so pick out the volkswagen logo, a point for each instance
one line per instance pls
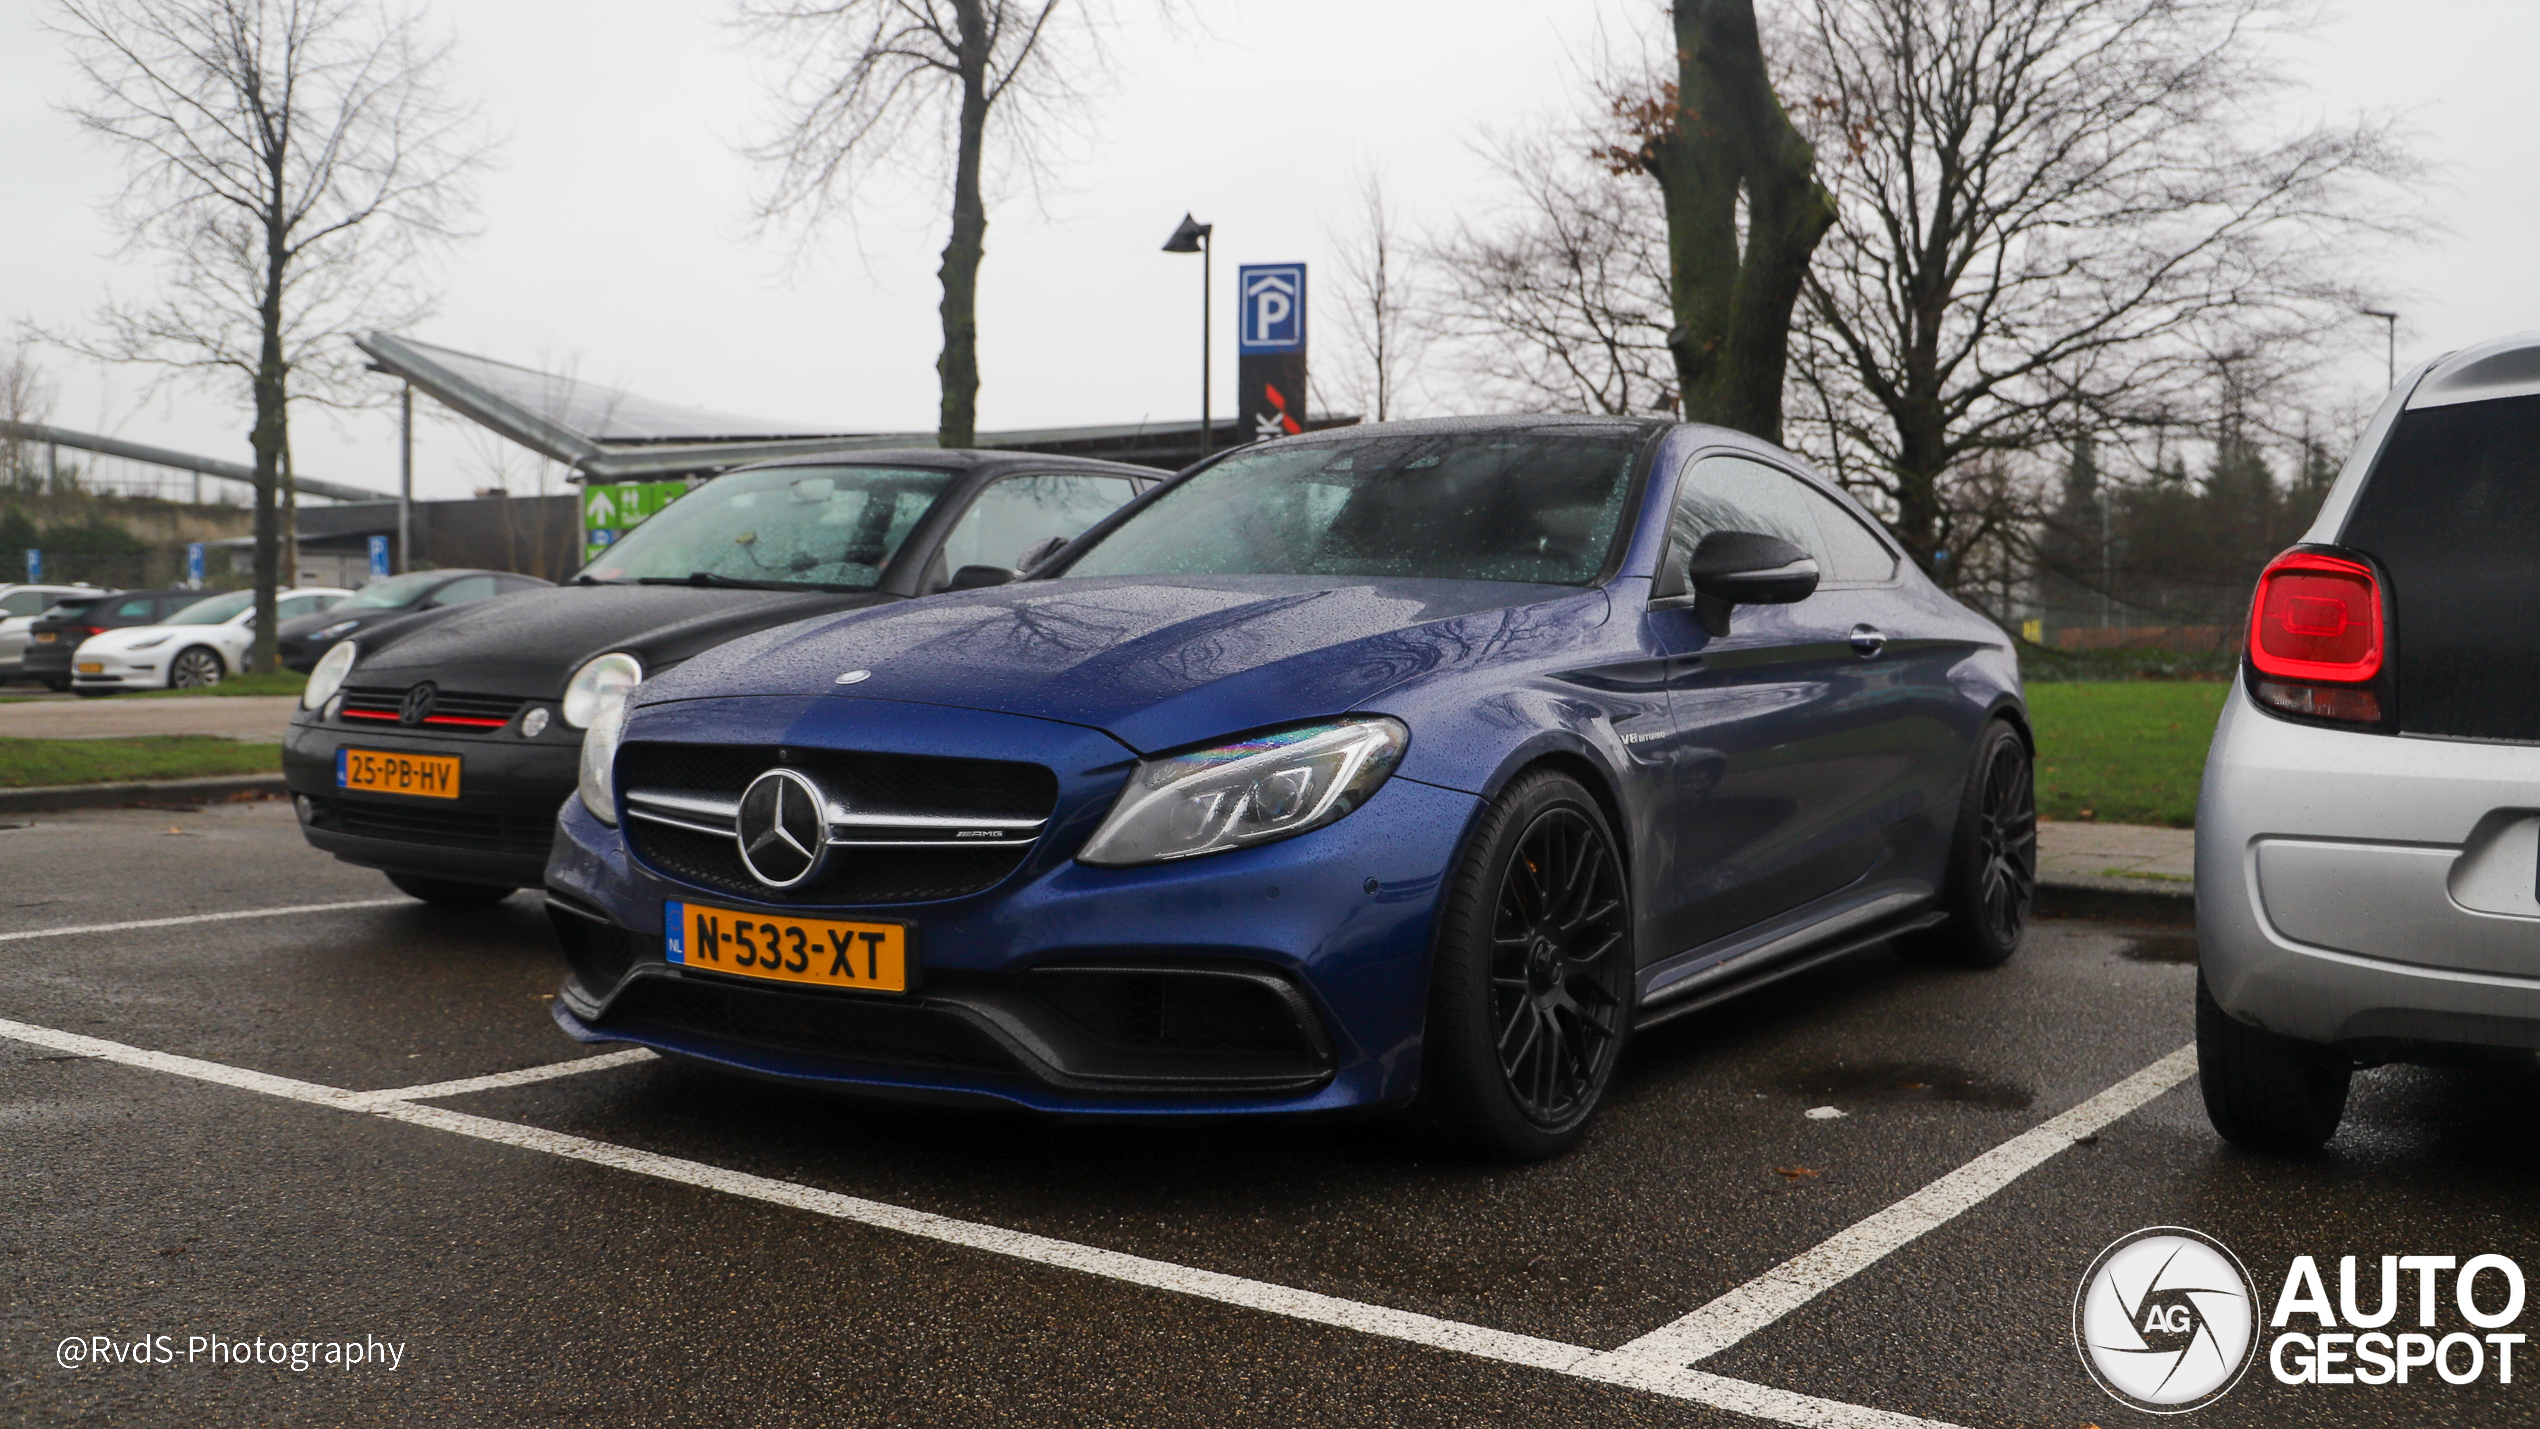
(782, 828)
(418, 703)
(2167, 1320)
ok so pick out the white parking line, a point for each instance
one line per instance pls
(203, 918)
(434, 1091)
(1848, 1252)
(1650, 1363)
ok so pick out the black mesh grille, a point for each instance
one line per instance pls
(601, 953)
(897, 783)
(441, 828)
(890, 1033)
(1173, 1012)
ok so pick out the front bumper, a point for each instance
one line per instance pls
(146, 670)
(2369, 889)
(1336, 922)
(498, 831)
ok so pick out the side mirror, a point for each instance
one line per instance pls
(1038, 552)
(977, 577)
(1734, 568)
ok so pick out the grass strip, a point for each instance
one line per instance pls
(2123, 751)
(32, 763)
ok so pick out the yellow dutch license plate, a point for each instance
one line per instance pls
(372, 771)
(870, 957)
(92, 667)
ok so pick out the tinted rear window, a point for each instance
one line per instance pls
(2452, 512)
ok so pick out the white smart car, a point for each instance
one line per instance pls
(2366, 838)
(202, 644)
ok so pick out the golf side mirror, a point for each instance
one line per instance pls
(1038, 552)
(1734, 568)
(977, 577)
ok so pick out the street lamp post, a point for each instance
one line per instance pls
(2390, 327)
(1192, 237)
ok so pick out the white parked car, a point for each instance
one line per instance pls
(202, 644)
(19, 605)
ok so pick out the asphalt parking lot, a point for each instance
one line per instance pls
(356, 1122)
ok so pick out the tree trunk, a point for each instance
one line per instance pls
(271, 440)
(1729, 134)
(959, 366)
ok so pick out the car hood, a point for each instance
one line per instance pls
(1155, 662)
(530, 642)
(127, 636)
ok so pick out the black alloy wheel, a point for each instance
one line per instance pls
(194, 668)
(1531, 996)
(1991, 884)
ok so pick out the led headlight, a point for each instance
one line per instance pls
(1249, 791)
(598, 786)
(329, 675)
(601, 677)
(337, 630)
(153, 643)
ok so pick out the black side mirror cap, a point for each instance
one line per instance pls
(979, 577)
(1038, 552)
(1734, 568)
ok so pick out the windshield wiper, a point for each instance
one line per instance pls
(724, 582)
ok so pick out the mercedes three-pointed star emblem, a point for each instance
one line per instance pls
(782, 828)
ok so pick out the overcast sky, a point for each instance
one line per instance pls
(614, 240)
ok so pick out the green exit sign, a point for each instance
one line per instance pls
(609, 512)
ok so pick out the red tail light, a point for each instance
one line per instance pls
(2316, 617)
(92, 630)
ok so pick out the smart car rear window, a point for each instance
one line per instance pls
(1533, 506)
(2450, 513)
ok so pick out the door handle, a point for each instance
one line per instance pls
(1867, 641)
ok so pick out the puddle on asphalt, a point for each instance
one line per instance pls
(2159, 948)
(1907, 1082)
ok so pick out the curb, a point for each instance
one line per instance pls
(2120, 899)
(108, 796)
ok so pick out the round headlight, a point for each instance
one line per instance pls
(598, 782)
(329, 675)
(600, 679)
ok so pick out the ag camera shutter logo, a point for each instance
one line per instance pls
(2166, 1320)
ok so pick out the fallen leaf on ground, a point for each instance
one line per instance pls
(1794, 1173)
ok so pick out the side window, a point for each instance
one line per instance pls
(1726, 493)
(25, 602)
(460, 592)
(142, 609)
(300, 605)
(1854, 556)
(1020, 512)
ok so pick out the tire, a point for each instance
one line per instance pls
(2263, 1090)
(95, 694)
(450, 893)
(196, 667)
(1530, 987)
(1992, 879)
(60, 687)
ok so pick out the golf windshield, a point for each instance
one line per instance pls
(819, 527)
(1508, 505)
(215, 610)
(393, 593)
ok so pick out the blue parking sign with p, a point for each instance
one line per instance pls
(378, 556)
(1271, 317)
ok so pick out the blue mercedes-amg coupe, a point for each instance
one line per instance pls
(1415, 766)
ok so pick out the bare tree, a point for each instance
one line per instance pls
(1744, 211)
(1560, 300)
(290, 161)
(1381, 343)
(2057, 218)
(922, 86)
(26, 399)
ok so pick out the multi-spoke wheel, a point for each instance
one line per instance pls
(193, 668)
(1530, 999)
(1992, 877)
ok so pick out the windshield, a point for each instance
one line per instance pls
(394, 593)
(1508, 505)
(818, 526)
(214, 611)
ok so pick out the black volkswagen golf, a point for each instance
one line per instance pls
(438, 747)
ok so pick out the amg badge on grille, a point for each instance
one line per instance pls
(782, 828)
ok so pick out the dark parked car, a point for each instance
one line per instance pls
(57, 633)
(1421, 761)
(302, 642)
(438, 747)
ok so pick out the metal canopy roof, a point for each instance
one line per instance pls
(612, 435)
